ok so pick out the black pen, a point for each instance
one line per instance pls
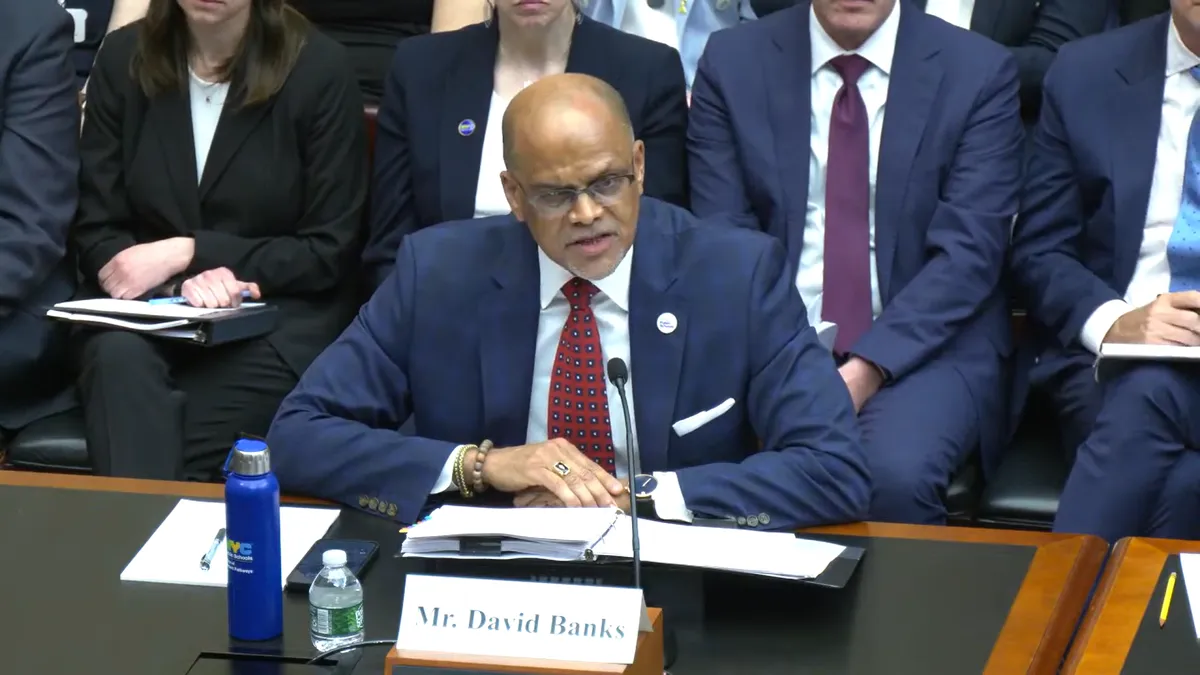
(206, 561)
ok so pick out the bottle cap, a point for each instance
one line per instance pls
(250, 457)
(334, 557)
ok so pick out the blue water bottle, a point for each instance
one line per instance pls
(252, 534)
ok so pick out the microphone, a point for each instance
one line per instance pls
(618, 374)
(656, 4)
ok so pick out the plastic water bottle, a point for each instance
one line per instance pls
(255, 587)
(335, 604)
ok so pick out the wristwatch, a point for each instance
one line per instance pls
(644, 486)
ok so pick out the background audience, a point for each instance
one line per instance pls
(438, 152)
(39, 165)
(93, 19)
(223, 152)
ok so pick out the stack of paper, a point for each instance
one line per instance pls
(135, 315)
(579, 534)
(547, 534)
(172, 554)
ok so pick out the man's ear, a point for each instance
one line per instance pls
(512, 192)
(639, 165)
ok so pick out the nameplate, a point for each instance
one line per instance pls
(521, 619)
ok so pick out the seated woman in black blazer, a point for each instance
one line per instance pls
(438, 145)
(224, 152)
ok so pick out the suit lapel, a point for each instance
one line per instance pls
(508, 325)
(235, 125)
(912, 88)
(1139, 100)
(170, 116)
(655, 357)
(464, 120)
(789, 100)
(587, 54)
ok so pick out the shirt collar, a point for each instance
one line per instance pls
(614, 286)
(878, 49)
(1180, 59)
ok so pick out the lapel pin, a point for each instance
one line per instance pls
(667, 323)
(466, 127)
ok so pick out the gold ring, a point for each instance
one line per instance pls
(561, 469)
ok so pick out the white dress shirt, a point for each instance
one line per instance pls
(873, 86)
(957, 12)
(207, 99)
(1152, 274)
(489, 192)
(653, 24)
(611, 308)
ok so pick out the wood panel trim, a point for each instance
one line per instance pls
(1117, 608)
(134, 485)
(977, 535)
(1052, 597)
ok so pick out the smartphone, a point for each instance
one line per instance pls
(359, 555)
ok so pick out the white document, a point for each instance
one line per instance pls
(687, 425)
(1135, 352)
(135, 324)
(172, 554)
(521, 619)
(774, 554)
(142, 309)
(548, 534)
(576, 534)
(1190, 563)
(827, 333)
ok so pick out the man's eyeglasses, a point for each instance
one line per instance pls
(604, 191)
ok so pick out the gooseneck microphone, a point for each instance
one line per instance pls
(618, 374)
(656, 4)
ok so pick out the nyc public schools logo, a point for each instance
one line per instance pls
(240, 550)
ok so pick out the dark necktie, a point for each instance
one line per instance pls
(578, 409)
(846, 289)
(1183, 248)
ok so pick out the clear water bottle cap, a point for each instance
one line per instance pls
(334, 557)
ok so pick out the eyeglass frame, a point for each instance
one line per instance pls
(536, 199)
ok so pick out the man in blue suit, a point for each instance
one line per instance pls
(1107, 250)
(901, 237)
(495, 336)
(39, 165)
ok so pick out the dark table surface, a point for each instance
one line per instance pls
(914, 606)
(1120, 632)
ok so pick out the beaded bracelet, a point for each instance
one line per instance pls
(477, 472)
(459, 475)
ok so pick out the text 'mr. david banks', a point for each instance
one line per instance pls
(557, 625)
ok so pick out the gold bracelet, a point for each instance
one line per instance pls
(459, 476)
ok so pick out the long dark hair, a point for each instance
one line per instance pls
(263, 60)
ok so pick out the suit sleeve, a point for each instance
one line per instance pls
(324, 248)
(337, 434)
(967, 240)
(664, 131)
(103, 224)
(39, 163)
(391, 217)
(1058, 22)
(717, 183)
(812, 469)
(1056, 287)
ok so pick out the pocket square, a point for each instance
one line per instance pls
(687, 425)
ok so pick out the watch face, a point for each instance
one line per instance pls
(643, 486)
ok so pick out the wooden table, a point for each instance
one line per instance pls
(1112, 620)
(1034, 637)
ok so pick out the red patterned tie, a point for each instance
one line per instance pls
(578, 410)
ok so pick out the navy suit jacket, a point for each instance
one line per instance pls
(948, 179)
(1083, 210)
(426, 172)
(450, 339)
(39, 166)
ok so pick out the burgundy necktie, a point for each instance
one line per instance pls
(578, 406)
(846, 290)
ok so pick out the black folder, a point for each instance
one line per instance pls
(209, 330)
